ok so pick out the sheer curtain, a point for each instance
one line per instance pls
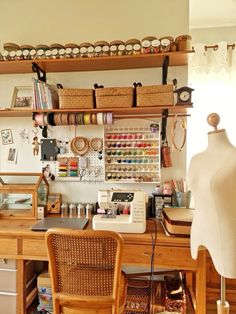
(212, 74)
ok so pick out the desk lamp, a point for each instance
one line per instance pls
(211, 179)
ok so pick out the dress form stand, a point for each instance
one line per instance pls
(222, 305)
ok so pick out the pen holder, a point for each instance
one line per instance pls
(183, 199)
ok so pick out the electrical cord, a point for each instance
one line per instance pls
(151, 278)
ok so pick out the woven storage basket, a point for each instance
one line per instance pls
(114, 97)
(155, 95)
(76, 98)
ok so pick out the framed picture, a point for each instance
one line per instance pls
(6, 137)
(22, 97)
(12, 155)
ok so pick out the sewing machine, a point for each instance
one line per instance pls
(123, 211)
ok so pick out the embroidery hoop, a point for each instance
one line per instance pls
(183, 127)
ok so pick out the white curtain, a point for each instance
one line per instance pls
(212, 74)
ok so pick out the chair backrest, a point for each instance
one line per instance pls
(84, 263)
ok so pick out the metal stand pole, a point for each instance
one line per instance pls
(222, 304)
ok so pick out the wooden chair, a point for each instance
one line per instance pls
(85, 268)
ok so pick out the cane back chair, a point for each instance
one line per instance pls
(85, 268)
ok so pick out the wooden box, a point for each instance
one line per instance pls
(76, 98)
(155, 95)
(114, 97)
(177, 220)
(54, 203)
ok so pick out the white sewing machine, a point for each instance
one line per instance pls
(125, 211)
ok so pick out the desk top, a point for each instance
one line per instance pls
(21, 228)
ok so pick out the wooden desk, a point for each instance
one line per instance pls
(18, 242)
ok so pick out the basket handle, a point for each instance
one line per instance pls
(59, 86)
(98, 86)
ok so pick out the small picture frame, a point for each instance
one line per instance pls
(22, 97)
(12, 155)
(6, 135)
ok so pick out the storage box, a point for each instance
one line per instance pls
(155, 95)
(178, 221)
(114, 97)
(76, 98)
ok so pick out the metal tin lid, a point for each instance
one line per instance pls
(26, 47)
(132, 41)
(42, 46)
(11, 46)
(71, 45)
(56, 45)
(116, 42)
(101, 43)
(85, 44)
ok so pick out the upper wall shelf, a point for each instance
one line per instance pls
(116, 111)
(178, 58)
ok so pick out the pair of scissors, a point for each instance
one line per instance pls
(82, 173)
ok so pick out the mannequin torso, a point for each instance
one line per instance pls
(212, 180)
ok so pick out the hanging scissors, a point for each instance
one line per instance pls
(82, 173)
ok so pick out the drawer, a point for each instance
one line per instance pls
(167, 257)
(8, 303)
(8, 280)
(34, 248)
(8, 246)
(7, 263)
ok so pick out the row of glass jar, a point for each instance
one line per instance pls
(130, 136)
(147, 45)
(131, 160)
(111, 145)
(132, 153)
(131, 168)
(133, 177)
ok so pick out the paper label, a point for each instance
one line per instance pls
(165, 42)
(146, 43)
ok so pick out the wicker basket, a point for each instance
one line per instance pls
(76, 98)
(154, 96)
(112, 97)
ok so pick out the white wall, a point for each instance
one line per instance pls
(77, 21)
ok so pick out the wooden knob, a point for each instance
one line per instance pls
(213, 120)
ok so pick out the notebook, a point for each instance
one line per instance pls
(57, 222)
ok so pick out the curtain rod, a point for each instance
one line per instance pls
(215, 47)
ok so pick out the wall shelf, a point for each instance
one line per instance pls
(116, 111)
(178, 58)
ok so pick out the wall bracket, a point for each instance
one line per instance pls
(40, 72)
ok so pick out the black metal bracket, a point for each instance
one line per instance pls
(165, 70)
(40, 72)
(165, 114)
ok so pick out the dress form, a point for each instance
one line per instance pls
(211, 179)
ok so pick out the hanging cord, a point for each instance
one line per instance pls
(184, 128)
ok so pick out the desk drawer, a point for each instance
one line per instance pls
(33, 248)
(8, 247)
(173, 257)
(8, 303)
(8, 280)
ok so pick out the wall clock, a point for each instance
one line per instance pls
(183, 95)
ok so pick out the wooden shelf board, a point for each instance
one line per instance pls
(177, 58)
(116, 111)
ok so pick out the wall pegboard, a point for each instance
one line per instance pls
(72, 167)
